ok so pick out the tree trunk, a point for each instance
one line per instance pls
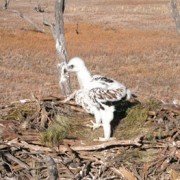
(61, 44)
(6, 4)
(175, 14)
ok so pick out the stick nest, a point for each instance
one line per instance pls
(46, 138)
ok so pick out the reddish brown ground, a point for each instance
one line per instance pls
(135, 43)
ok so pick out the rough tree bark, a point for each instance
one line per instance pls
(175, 14)
(6, 4)
(61, 44)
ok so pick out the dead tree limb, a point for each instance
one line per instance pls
(46, 23)
(175, 14)
(33, 148)
(31, 22)
(27, 19)
(62, 148)
(134, 142)
(61, 44)
(6, 4)
(18, 161)
(123, 172)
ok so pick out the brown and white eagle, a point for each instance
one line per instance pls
(97, 95)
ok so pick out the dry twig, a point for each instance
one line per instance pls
(135, 142)
(27, 19)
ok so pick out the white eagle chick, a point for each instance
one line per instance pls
(96, 95)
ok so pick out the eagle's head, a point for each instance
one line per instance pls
(76, 64)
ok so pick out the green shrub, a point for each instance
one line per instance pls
(57, 131)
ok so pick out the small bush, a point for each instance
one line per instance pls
(136, 116)
(57, 131)
(134, 124)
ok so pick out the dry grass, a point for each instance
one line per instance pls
(116, 45)
(57, 131)
(27, 64)
(147, 59)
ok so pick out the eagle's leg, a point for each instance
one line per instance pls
(107, 131)
(94, 125)
(107, 117)
(97, 123)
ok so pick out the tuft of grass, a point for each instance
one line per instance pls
(20, 112)
(134, 123)
(57, 131)
(136, 116)
(153, 104)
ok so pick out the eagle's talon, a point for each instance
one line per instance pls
(101, 139)
(94, 125)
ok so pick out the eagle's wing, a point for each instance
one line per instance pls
(106, 89)
(102, 79)
(101, 90)
(107, 95)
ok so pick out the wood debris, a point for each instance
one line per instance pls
(151, 155)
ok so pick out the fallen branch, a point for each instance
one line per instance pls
(135, 142)
(122, 171)
(22, 164)
(147, 145)
(62, 148)
(34, 148)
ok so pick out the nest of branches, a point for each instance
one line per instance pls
(47, 138)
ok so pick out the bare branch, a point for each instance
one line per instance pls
(51, 25)
(23, 144)
(22, 164)
(134, 142)
(122, 171)
(33, 148)
(35, 26)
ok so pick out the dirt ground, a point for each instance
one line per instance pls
(134, 42)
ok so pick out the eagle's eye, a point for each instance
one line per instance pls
(71, 66)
